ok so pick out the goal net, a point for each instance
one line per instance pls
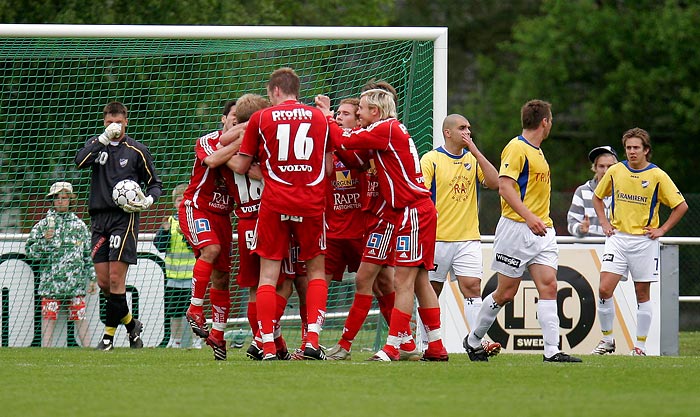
(174, 81)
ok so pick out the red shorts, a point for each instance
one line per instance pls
(415, 239)
(292, 267)
(202, 229)
(274, 231)
(51, 306)
(342, 253)
(248, 263)
(379, 242)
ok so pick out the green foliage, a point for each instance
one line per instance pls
(605, 67)
(198, 12)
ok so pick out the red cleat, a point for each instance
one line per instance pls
(219, 347)
(197, 323)
(436, 355)
(491, 348)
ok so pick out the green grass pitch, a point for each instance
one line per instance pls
(167, 382)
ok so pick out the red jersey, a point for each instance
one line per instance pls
(343, 203)
(209, 187)
(401, 181)
(247, 196)
(290, 142)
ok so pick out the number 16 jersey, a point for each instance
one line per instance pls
(290, 141)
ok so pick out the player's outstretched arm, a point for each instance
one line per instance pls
(222, 155)
(241, 163)
(323, 103)
(235, 134)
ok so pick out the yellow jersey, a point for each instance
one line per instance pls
(526, 164)
(453, 181)
(636, 195)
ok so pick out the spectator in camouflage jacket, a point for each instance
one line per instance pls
(60, 244)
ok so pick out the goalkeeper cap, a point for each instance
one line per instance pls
(59, 186)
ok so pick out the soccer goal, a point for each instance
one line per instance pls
(174, 81)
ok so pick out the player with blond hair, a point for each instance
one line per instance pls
(414, 217)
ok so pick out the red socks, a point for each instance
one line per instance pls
(252, 314)
(386, 304)
(316, 297)
(266, 300)
(399, 327)
(201, 275)
(431, 320)
(220, 306)
(356, 318)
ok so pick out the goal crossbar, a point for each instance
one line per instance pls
(436, 34)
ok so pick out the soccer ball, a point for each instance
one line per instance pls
(126, 191)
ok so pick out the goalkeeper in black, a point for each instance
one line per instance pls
(113, 156)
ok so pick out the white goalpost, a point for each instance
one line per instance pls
(174, 80)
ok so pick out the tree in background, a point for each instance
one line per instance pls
(199, 12)
(606, 66)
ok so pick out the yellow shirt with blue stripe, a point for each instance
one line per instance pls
(636, 195)
(453, 181)
(526, 164)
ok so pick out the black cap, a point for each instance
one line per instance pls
(600, 150)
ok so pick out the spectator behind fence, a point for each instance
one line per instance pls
(60, 244)
(179, 261)
(582, 219)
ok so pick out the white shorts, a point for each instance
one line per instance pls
(634, 254)
(458, 259)
(515, 248)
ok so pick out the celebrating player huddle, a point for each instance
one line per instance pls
(317, 193)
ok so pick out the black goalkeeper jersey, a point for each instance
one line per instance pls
(110, 164)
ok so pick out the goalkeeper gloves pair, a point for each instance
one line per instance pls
(142, 203)
(111, 132)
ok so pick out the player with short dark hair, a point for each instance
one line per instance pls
(114, 156)
(248, 189)
(289, 140)
(525, 189)
(205, 219)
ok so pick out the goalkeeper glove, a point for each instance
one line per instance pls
(134, 207)
(139, 205)
(111, 132)
(144, 201)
